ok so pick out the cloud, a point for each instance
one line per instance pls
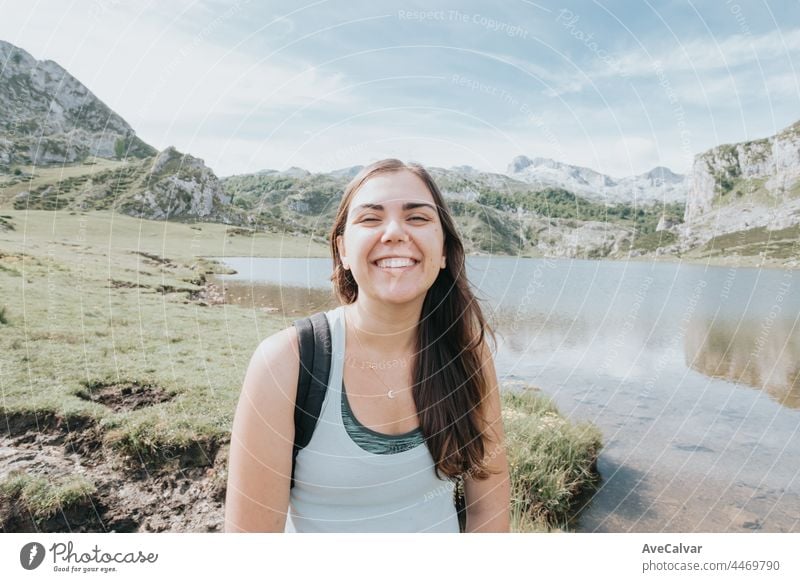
(707, 58)
(723, 91)
(708, 54)
(236, 84)
(554, 81)
(156, 71)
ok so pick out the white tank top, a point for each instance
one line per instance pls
(340, 487)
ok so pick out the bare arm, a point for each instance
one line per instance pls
(488, 501)
(260, 460)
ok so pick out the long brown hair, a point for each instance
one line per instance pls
(449, 385)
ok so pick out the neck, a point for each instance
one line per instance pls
(381, 330)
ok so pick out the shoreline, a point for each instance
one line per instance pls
(724, 262)
(297, 245)
(123, 371)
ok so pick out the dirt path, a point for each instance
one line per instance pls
(128, 496)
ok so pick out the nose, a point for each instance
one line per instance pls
(395, 230)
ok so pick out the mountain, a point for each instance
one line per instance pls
(348, 173)
(170, 185)
(47, 116)
(744, 200)
(746, 185)
(295, 172)
(494, 213)
(739, 200)
(658, 185)
(177, 185)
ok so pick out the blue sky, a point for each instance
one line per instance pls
(620, 87)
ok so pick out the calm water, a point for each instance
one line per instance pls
(692, 373)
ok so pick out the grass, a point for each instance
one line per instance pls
(653, 240)
(41, 498)
(40, 176)
(97, 302)
(551, 460)
(739, 188)
(773, 244)
(70, 318)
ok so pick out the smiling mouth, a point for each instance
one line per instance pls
(395, 264)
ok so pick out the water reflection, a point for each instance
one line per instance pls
(759, 353)
(281, 299)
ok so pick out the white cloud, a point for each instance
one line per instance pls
(706, 58)
(706, 54)
(165, 70)
(782, 85)
(722, 90)
(156, 74)
(555, 81)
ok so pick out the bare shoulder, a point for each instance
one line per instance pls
(282, 341)
(260, 457)
(276, 364)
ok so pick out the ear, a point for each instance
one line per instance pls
(342, 256)
(444, 257)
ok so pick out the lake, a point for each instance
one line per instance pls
(691, 372)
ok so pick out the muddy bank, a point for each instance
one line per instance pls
(128, 495)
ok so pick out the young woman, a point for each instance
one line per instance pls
(413, 400)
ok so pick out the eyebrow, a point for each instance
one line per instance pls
(406, 206)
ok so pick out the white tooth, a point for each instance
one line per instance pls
(395, 262)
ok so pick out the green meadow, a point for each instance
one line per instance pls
(120, 370)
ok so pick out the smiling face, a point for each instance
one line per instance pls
(393, 242)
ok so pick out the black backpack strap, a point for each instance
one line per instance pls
(314, 338)
(460, 501)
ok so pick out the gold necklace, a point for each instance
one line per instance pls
(390, 392)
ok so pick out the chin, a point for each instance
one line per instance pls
(392, 300)
(400, 298)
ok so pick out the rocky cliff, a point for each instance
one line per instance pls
(170, 185)
(47, 116)
(178, 185)
(744, 186)
(659, 185)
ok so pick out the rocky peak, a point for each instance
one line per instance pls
(347, 172)
(518, 164)
(755, 174)
(745, 185)
(48, 116)
(178, 185)
(662, 175)
(295, 172)
(465, 170)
